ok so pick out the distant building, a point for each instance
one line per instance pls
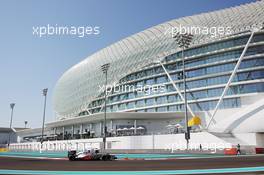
(5, 133)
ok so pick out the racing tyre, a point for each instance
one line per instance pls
(106, 157)
(71, 158)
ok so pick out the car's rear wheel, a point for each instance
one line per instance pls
(71, 158)
(104, 158)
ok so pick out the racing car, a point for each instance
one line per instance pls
(90, 154)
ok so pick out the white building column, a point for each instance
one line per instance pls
(101, 129)
(135, 126)
(63, 132)
(55, 133)
(91, 127)
(81, 130)
(72, 131)
(111, 123)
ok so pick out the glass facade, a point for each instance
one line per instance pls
(208, 69)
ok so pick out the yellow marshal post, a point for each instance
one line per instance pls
(194, 121)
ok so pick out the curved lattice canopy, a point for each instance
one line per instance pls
(79, 85)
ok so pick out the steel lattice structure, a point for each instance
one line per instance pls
(79, 85)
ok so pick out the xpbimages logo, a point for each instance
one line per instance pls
(213, 31)
(147, 89)
(50, 30)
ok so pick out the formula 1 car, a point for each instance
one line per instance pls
(90, 154)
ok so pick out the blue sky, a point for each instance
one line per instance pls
(29, 63)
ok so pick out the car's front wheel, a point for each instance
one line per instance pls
(106, 157)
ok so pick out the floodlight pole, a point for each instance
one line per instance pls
(12, 105)
(105, 68)
(184, 40)
(187, 132)
(44, 91)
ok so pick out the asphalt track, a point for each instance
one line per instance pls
(237, 164)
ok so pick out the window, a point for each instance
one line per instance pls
(179, 107)
(151, 110)
(122, 106)
(172, 108)
(250, 88)
(162, 109)
(195, 84)
(171, 57)
(150, 101)
(131, 77)
(140, 103)
(161, 80)
(150, 82)
(150, 72)
(131, 105)
(115, 108)
(233, 90)
(131, 95)
(140, 74)
(256, 74)
(175, 76)
(140, 93)
(220, 68)
(140, 83)
(159, 70)
(108, 109)
(170, 88)
(252, 63)
(161, 100)
(96, 110)
(215, 92)
(217, 46)
(217, 80)
(196, 73)
(197, 95)
(171, 67)
(123, 97)
(114, 98)
(172, 98)
(231, 103)
(195, 62)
